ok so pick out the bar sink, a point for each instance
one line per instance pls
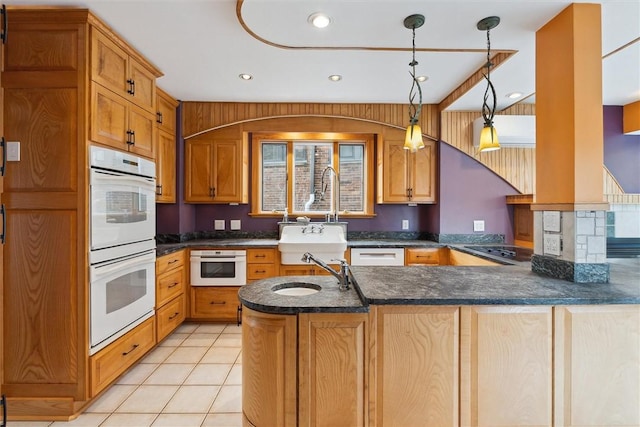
(296, 289)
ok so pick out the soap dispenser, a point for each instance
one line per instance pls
(285, 217)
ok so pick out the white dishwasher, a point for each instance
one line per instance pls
(377, 256)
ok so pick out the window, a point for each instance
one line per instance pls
(299, 172)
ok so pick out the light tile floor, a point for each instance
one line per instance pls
(192, 379)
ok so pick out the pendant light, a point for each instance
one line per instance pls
(488, 136)
(413, 138)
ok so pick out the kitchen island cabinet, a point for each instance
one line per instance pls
(457, 346)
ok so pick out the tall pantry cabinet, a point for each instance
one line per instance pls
(48, 108)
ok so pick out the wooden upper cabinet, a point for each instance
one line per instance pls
(114, 68)
(121, 124)
(165, 147)
(166, 111)
(406, 177)
(216, 171)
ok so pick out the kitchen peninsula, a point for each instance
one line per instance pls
(471, 346)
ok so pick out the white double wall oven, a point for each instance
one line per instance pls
(122, 242)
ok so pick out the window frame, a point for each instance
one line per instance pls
(336, 138)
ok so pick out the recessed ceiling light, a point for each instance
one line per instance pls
(335, 77)
(319, 20)
(514, 95)
(422, 78)
(245, 76)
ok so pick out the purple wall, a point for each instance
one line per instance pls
(621, 152)
(469, 191)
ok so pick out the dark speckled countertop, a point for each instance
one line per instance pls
(443, 285)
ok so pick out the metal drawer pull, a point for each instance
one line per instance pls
(261, 271)
(260, 256)
(173, 285)
(132, 348)
(174, 315)
(218, 303)
(173, 261)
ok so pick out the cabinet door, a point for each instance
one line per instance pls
(215, 303)
(165, 167)
(198, 171)
(170, 285)
(227, 172)
(143, 124)
(506, 356)
(394, 177)
(109, 115)
(414, 377)
(166, 109)
(170, 316)
(269, 377)
(597, 365)
(109, 63)
(329, 344)
(422, 165)
(144, 86)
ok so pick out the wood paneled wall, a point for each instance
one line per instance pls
(516, 165)
(200, 117)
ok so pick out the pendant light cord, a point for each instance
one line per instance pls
(489, 112)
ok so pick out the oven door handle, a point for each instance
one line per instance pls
(121, 264)
(219, 258)
(101, 177)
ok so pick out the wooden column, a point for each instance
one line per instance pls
(569, 217)
(569, 154)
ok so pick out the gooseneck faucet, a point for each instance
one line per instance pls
(342, 275)
(335, 194)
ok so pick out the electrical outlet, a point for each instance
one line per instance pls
(218, 224)
(405, 224)
(478, 225)
(235, 224)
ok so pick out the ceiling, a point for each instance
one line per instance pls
(203, 45)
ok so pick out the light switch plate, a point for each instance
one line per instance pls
(235, 224)
(405, 224)
(218, 224)
(551, 244)
(13, 151)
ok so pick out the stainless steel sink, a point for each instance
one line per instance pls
(296, 289)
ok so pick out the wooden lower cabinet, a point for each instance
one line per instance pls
(506, 366)
(109, 363)
(414, 366)
(170, 316)
(597, 365)
(217, 303)
(269, 369)
(171, 302)
(332, 369)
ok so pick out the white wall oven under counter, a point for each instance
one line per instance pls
(122, 257)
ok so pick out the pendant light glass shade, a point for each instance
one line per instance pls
(488, 139)
(413, 139)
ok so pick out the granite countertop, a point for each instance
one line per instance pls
(447, 285)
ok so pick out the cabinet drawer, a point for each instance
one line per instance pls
(170, 261)
(113, 360)
(169, 285)
(423, 256)
(260, 271)
(264, 255)
(215, 303)
(170, 316)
